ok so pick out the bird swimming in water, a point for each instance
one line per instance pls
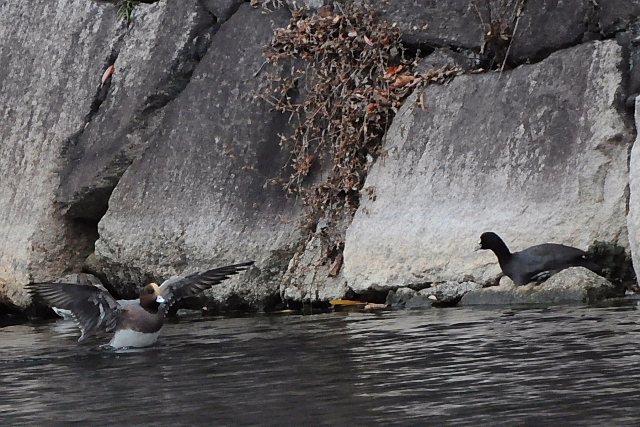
(136, 322)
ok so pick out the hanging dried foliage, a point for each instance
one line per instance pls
(354, 78)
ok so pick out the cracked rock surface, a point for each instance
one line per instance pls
(153, 60)
(196, 197)
(531, 157)
(49, 78)
(164, 167)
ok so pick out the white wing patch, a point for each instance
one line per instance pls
(101, 312)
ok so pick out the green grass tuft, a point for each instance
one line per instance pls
(125, 9)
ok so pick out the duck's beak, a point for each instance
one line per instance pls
(160, 299)
(478, 247)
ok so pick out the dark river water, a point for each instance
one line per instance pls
(556, 366)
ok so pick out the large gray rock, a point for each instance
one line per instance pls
(152, 66)
(544, 26)
(312, 275)
(613, 16)
(538, 154)
(407, 298)
(633, 219)
(572, 285)
(222, 9)
(449, 293)
(53, 55)
(440, 295)
(198, 197)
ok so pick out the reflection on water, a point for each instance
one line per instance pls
(569, 366)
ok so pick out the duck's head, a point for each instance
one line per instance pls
(151, 297)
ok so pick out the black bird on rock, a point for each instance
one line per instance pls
(537, 262)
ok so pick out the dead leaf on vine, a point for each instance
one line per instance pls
(305, 166)
(371, 108)
(403, 80)
(107, 74)
(421, 100)
(326, 11)
(392, 71)
(335, 267)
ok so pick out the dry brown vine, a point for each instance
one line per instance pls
(354, 78)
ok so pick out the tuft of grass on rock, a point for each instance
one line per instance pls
(500, 19)
(125, 9)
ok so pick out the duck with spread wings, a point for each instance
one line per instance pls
(136, 322)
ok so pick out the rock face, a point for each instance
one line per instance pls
(532, 157)
(572, 285)
(167, 166)
(53, 56)
(311, 276)
(633, 219)
(539, 27)
(407, 298)
(152, 66)
(197, 197)
(197, 162)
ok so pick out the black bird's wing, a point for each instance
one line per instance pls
(94, 309)
(177, 288)
(543, 261)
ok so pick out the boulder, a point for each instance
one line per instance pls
(312, 275)
(633, 219)
(537, 154)
(544, 26)
(53, 56)
(439, 295)
(222, 9)
(572, 285)
(407, 298)
(199, 195)
(449, 293)
(152, 66)
(615, 16)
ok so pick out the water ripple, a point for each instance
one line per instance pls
(569, 366)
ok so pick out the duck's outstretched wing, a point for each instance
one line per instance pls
(94, 309)
(176, 288)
